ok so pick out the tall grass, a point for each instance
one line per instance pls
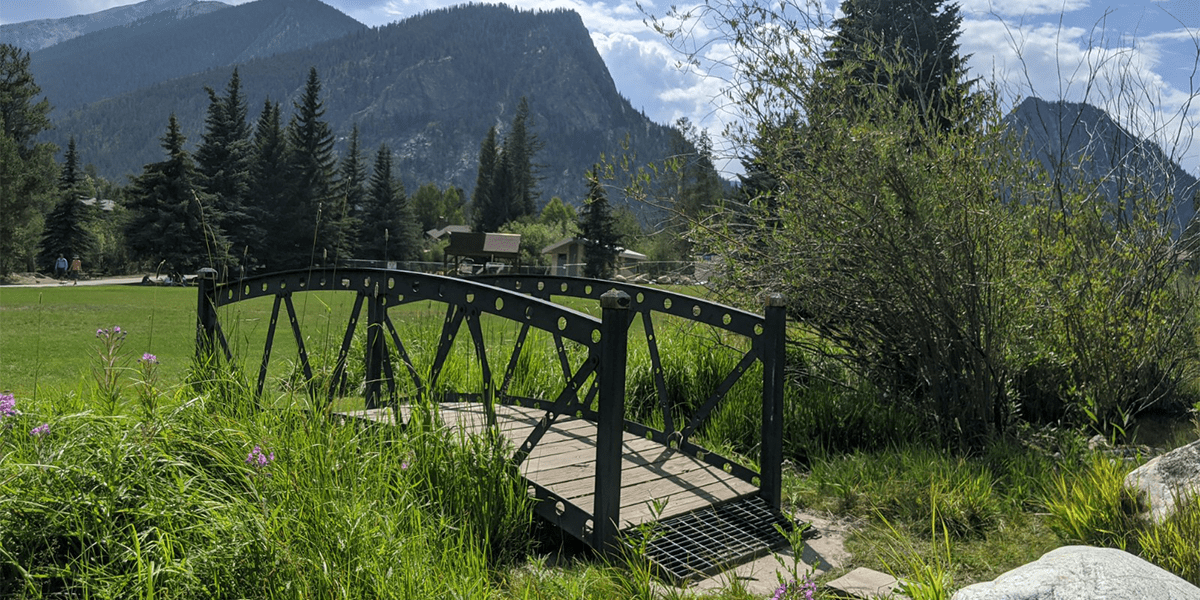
(119, 506)
(1093, 506)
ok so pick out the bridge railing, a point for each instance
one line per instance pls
(766, 334)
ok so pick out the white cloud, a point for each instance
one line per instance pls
(1021, 8)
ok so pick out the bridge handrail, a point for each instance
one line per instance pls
(414, 286)
(642, 299)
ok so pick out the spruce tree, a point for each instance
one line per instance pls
(71, 176)
(223, 160)
(174, 220)
(909, 45)
(352, 188)
(319, 229)
(519, 177)
(389, 228)
(487, 209)
(27, 167)
(67, 231)
(270, 189)
(598, 228)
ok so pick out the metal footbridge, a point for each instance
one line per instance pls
(595, 473)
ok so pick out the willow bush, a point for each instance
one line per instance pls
(959, 279)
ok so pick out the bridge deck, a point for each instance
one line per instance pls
(564, 463)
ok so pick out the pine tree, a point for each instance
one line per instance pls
(173, 218)
(66, 232)
(319, 233)
(27, 168)
(389, 228)
(909, 44)
(270, 188)
(351, 186)
(223, 160)
(598, 228)
(487, 209)
(519, 177)
(70, 177)
(506, 187)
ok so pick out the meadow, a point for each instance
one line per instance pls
(169, 480)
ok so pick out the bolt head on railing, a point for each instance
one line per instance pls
(614, 299)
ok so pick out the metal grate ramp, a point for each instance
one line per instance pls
(710, 540)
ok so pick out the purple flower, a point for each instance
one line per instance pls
(403, 465)
(40, 430)
(115, 332)
(8, 406)
(149, 359)
(258, 459)
(803, 590)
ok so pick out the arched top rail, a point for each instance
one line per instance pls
(643, 299)
(397, 287)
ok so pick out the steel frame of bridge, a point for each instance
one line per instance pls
(527, 300)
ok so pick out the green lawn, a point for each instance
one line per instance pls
(48, 335)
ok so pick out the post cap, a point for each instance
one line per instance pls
(614, 298)
(775, 299)
(207, 273)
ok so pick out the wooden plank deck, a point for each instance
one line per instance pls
(564, 459)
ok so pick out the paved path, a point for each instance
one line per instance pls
(130, 280)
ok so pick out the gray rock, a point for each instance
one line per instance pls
(1160, 480)
(1083, 573)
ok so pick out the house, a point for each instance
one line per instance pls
(437, 234)
(567, 258)
(476, 252)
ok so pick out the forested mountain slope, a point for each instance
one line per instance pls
(162, 47)
(1062, 135)
(429, 86)
(43, 33)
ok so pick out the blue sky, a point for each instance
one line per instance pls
(1056, 49)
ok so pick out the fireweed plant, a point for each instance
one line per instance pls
(111, 361)
(146, 385)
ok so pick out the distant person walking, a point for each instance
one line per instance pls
(76, 269)
(60, 267)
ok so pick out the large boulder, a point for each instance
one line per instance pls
(1160, 480)
(1083, 573)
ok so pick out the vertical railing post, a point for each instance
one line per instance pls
(610, 429)
(773, 359)
(376, 347)
(206, 314)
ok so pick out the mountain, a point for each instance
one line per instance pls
(43, 33)
(429, 87)
(1063, 135)
(162, 46)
